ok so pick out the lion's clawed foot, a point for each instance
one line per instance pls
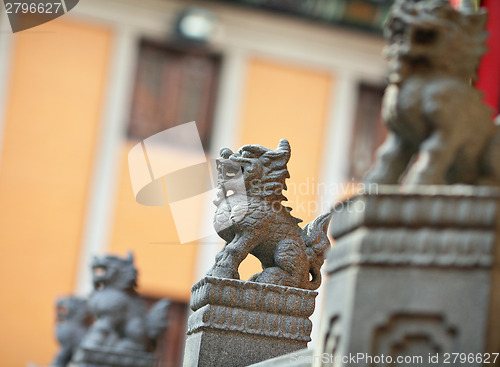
(101, 333)
(275, 275)
(380, 176)
(254, 277)
(127, 344)
(223, 272)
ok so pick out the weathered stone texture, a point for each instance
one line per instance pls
(411, 273)
(238, 323)
(440, 130)
(252, 219)
(301, 358)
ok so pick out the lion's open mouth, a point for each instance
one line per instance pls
(228, 169)
(99, 273)
(230, 174)
(62, 312)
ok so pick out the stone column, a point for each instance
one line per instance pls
(238, 323)
(411, 275)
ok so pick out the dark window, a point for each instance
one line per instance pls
(170, 348)
(369, 130)
(173, 86)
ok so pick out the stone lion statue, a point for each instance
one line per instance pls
(73, 320)
(122, 322)
(250, 217)
(440, 131)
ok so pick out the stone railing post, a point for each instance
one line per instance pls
(413, 273)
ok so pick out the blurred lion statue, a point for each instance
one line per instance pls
(440, 131)
(73, 320)
(122, 322)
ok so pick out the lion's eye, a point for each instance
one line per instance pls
(424, 36)
(247, 154)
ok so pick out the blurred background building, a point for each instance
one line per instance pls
(78, 92)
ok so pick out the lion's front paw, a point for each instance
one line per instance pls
(380, 176)
(276, 275)
(223, 272)
(254, 277)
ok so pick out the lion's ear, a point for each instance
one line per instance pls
(284, 145)
(280, 156)
(284, 149)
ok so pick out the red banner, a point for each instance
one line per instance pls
(489, 72)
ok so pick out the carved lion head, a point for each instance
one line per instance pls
(253, 171)
(72, 308)
(425, 36)
(115, 272)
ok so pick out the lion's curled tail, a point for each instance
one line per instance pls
(157, 319)
(317, 242)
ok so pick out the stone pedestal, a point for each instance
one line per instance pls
(108, 357)
(413, 273)
(301, 358)
(238, 323)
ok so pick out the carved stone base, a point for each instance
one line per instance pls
(237, 323)
(411, 275)
(301, 358)
(108, 357)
